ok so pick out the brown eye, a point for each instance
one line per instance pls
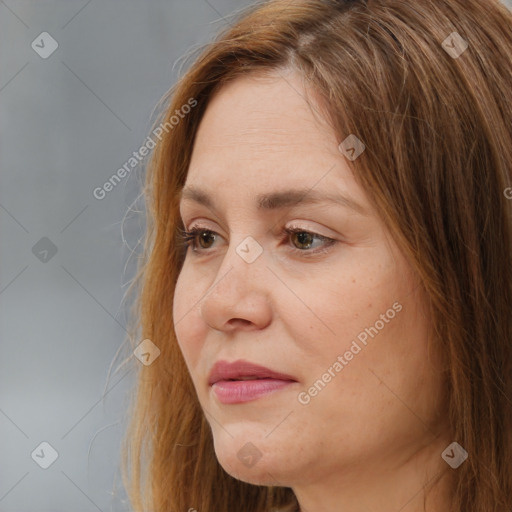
(197, 239)
(201, 241)
(205, 237)
(303, 238)
(303, 242)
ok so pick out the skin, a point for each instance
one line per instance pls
(371, 439)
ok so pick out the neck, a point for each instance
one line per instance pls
(422, 483)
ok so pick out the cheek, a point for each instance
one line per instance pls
(350, 296)
(186, 310)
(376, 317)
(383, 379)
(181, 299)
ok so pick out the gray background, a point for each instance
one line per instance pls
(67, 124)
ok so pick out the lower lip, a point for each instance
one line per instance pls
(239, 391)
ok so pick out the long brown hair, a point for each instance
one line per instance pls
(436, 119)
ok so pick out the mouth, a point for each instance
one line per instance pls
(248, 378)
(242, 381)
(241, 370)
(240, 391)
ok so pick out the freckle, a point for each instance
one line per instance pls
(369, 306)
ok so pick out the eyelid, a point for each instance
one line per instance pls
(189, 237)
(276, 230)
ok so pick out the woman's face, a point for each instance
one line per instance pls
(345, 319)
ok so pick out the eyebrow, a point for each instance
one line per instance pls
(278, 200)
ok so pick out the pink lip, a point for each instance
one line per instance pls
(231, 391)
(239, 391)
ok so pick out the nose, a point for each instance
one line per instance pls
(239, 297)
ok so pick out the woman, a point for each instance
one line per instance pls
(327, 273)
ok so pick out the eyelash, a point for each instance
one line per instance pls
(189, 238)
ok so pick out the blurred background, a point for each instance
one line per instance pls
(79, 82)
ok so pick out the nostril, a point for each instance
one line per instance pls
(240, 321)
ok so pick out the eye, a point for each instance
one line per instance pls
(201, 240)
(204, 236)
(303, 238)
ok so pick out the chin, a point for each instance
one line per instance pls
(251, 462)
(261, 474)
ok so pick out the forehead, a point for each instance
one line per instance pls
(262, 130)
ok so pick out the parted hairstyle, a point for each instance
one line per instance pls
(437, 126)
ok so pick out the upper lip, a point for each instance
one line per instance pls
(224, 370)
